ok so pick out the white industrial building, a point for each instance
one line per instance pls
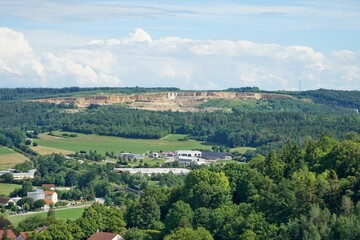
(36, 194)
(17, 175)
(149, 171)
(187, 157)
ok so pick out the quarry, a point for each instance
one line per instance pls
(184, 101)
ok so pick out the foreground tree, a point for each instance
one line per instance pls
(179, 216)
(188, 233)
(145, 214)
(204, 188)
(102, 218)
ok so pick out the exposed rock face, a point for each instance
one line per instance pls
(161, 101)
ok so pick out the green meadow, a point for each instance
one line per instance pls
(70, 213)
(242, 149)
(9, 158)
(5, 150)
(7, 188)
(104, 144)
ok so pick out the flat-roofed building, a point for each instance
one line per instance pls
(149, 171)
(188, 157)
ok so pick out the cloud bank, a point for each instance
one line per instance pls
(140, 60)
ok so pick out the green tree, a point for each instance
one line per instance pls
(273, 167)
(103, 218)
(204, 188)
(136, 234)
(26, 201)
(59, 230)
(4, 223)
(188, 233)
(344, 158)
(6, 178)
(180, 215)
(39, 204)
(145, 214)
(348, 227)
(31, 222)
(316, 224)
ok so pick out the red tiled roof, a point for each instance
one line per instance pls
(102, 236)
(23, 234)
(48, 201)
(50, 185)
(4, 200)
(49, 192)
(9, 233)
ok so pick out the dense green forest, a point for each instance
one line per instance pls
(310, 191)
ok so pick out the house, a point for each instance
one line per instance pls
(52, 196)
(15, 199)
(105, 236)
(48, 186)
(4, 201)
(47, 203)
(10, 234)
(187, 157)
(215, 155)
(22, 236)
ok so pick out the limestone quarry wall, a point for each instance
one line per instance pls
(163, 99)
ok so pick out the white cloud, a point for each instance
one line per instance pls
(138, 59)
(17, 59)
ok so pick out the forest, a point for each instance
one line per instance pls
(310, 191)
(260, 124)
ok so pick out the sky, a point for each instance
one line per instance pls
(200, 45)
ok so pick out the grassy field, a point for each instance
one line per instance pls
(5, 150)
(8, 158)
(6, 188)
(71, 213)
(108, 144)
(47, 150)
(242, 149)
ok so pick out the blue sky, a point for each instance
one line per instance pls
(316, 42)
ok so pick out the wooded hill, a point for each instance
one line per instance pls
(253, 123)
